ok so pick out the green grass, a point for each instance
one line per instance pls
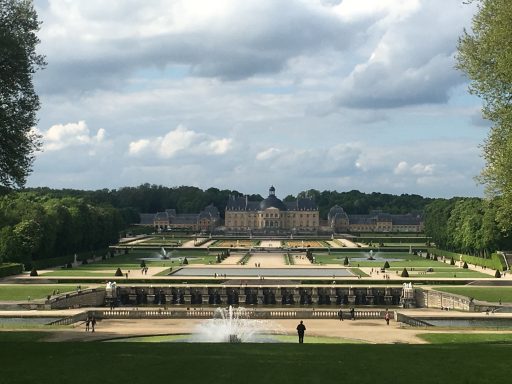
(276, 338)
(491, 294)
(21, 336)
(467, 338)
(77, 272)
(22, 292)
(91, 362)
(131, 261)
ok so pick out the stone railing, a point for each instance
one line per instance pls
(249, 313)
(401, 318)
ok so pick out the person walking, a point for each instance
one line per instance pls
(301, 328)
(87, 324)
(340, 314)
(93, 323)
(386, 317)
(352, 313)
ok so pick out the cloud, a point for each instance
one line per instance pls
(61, 136)
(408, 64)
(221, 146)
(180, 141)
(231, 40)
(239, 94)
(268, 154)
(403, 168)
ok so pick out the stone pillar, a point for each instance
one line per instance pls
(369, 296)
(351, 296)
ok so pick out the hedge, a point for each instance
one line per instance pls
(63, 260)
(10, 269)
(494, 262)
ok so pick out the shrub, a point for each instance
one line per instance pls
(452, 262)
(427, 256)
(33, 272)
(119, 272)
(345, 262)
(405, 273)
(10, 269)
(497, 274)
(69, 265)
(185, 261)
(84, 261)
(386, 265)
(465, 266)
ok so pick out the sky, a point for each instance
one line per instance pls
(299, 94)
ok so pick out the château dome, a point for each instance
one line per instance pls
(272, 201)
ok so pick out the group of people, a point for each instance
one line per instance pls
(351, 311)
(90, 324)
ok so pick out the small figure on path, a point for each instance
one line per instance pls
(301, 328)
(340, 314)
(386, 317)
(93, 323)
(87, 324)
(352, 313)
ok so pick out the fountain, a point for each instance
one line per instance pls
(370, 256)
(163, 252)
(232, 325)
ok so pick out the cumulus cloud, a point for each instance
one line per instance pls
(61, 136)
(180, 141)
(404, 168)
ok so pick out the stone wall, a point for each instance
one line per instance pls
(442, 300)
(85, 298)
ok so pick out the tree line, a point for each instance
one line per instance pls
(148, 198)
(35, 227)
(467, 225)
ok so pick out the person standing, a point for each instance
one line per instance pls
(301, 328)
(386, 317)
(340, 314)
(352, 313)
(93, 323)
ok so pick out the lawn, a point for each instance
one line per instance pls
(398, 261)
(132, 261)
(21, 336)
(93, 362)
(22, 292)
(491, 294)
(467, 338)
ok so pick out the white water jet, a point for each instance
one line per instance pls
(234, 325)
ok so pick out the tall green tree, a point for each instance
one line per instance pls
(18, 100)
(485, 55)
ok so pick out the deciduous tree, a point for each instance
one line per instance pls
(18, 100)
